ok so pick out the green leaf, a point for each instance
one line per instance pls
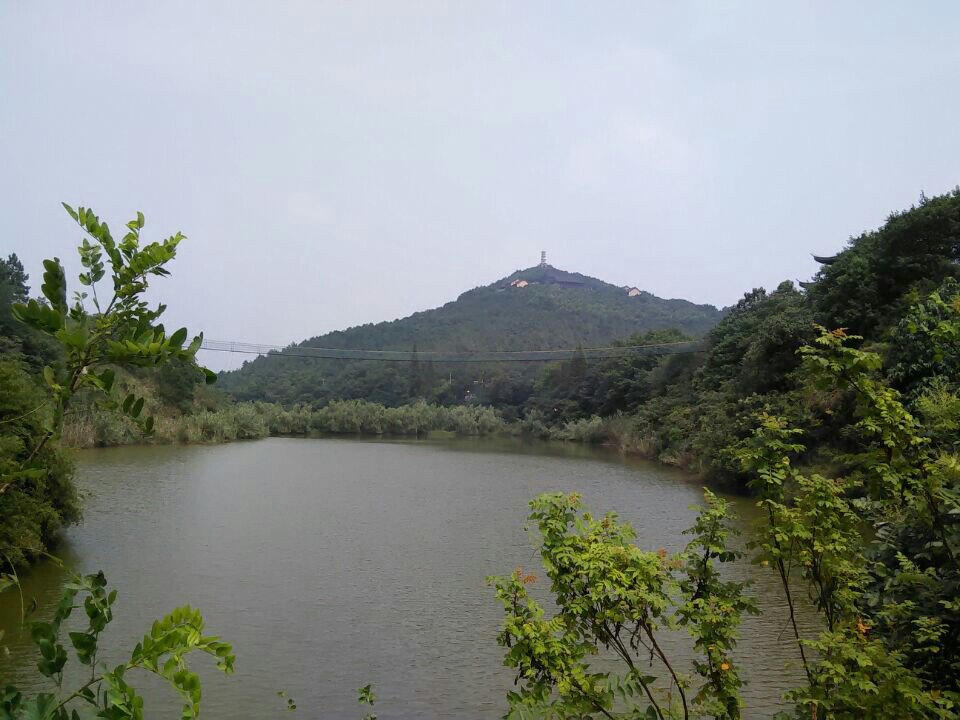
(39, 708)
(85, 645)
(176, 340)
(195, 345)
(107, 377)
(54, 285)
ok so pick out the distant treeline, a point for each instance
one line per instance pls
(97, 427)
(247, 421)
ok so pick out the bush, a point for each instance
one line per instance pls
(34, 508)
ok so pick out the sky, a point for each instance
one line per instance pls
(334, 164)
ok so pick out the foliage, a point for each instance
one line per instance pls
(162, 652)
(18, 342)
(875, 547)
(925, 346)
(915, 249)
(94, 426)
(615, 598)
(560, 310)
(712, 608)
(43, 500)
(754, 348)
(365, 696)
(120, 332)
(889, 610)
(177, 382)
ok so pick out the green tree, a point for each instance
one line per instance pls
(889, 611)
(925, 345)
(34, 509)
(177, 382)
(917, 248)
(16, 339)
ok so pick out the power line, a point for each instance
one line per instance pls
(488, 356)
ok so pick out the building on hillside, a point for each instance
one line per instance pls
(633, 292)
(519, 283)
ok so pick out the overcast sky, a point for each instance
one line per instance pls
(341, 163)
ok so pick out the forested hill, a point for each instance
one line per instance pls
(538, 308)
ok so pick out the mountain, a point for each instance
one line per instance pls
(538, 308)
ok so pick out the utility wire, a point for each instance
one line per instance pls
(488, 356)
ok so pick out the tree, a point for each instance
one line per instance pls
(918, 248)
(876, 546)
(925, 347)
(177, 382)
(33, 510)
(755, 347)
(17, 340)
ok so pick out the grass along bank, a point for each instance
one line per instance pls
(94, 426)
(98, 427)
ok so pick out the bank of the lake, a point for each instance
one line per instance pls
(331, 563)
(98, 427)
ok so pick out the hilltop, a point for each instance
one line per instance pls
(541, 307)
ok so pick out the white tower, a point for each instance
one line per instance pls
(543, 258)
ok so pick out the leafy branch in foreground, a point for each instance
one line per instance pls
(162, 652)
(121, 331)
(615, 597)
(888, 608)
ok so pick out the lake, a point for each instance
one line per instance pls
(334, 563)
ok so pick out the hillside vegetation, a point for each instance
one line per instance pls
(896, 288)
(555, 310)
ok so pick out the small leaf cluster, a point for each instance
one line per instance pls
(365, 696)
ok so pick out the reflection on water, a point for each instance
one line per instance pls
(333, 563)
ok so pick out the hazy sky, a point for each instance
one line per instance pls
(340, 163)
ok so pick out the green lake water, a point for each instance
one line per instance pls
(335, 563)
